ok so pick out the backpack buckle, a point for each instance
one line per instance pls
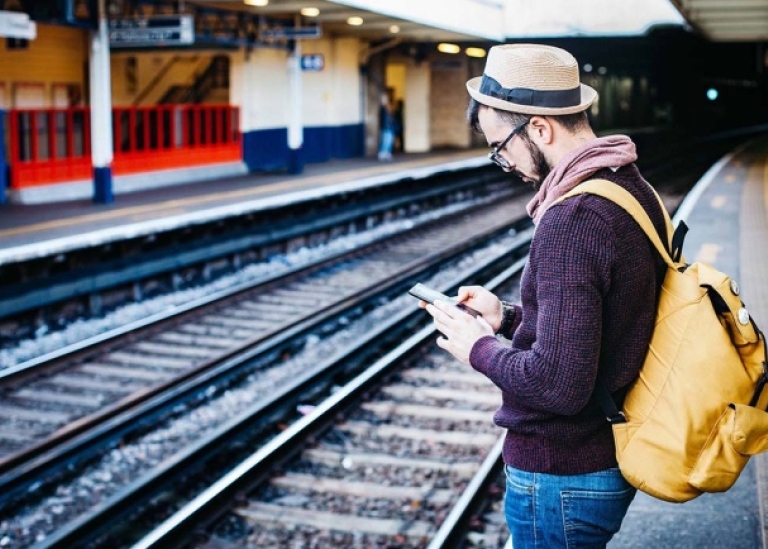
(618, 418)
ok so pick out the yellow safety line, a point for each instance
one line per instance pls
(718, 201)
(174, 204)
(160, 206)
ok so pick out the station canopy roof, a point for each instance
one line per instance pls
(727, 20)
(499, 20)
(469, 20)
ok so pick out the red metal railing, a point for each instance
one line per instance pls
(174, 136)
(53, 145)
(49, 145)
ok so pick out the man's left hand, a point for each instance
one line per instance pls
(460, 329)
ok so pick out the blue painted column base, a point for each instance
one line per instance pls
(102, 186)
(295, 161)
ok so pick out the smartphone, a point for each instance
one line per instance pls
(430, 295)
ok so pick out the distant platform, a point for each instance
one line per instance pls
(29, 231)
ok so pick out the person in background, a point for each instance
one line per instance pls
(386, 128)
(588, 300)
(398, 114)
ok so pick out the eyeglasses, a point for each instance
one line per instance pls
(495, 154)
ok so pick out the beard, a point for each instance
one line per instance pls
(540, 164)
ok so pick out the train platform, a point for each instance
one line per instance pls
(29, 231)
(727, 213)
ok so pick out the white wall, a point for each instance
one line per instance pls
(416, 108)
(448, 101)
(332, 97)
(259, 84)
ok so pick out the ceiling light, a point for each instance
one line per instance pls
(310, 12)
(256, 2)
(475, 52)
(394, 29)
(448, 48)
(355, 21)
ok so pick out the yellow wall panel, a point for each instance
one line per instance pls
(57, 57)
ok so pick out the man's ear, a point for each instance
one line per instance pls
(541, 130)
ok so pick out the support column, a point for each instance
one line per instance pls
(101, 112)
(243, 84)
(295, 120)
(3, 178)
(417, 108)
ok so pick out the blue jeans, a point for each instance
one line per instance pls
(570, 511)
(387, 140)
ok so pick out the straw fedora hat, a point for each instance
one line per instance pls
(531, 79)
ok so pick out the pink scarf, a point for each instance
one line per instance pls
(604, 152)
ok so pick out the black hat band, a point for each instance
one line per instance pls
(533, 98)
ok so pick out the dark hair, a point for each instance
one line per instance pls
(571, 122)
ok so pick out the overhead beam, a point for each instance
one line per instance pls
(719, 4)
(743, 24)
(473, 18)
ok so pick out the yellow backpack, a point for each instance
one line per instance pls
(696, 413)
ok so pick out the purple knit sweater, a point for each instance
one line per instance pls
(588, 296)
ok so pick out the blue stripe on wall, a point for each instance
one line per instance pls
(349, 141)
(267, 150)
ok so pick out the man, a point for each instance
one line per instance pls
(588, 299)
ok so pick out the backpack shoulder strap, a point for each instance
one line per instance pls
(622, 198)
(625, 200)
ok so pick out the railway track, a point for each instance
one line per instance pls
(380, 268)
(46, 294)
(45, 396)
(389, 472)
(404, 455)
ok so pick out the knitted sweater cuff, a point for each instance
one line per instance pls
(481, 350)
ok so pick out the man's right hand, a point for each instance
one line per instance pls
(484, 302)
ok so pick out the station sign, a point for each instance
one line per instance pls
(152, 31)
(290, 33)
(15, 24)
(313, 62)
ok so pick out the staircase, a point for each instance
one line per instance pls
(211, 86)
